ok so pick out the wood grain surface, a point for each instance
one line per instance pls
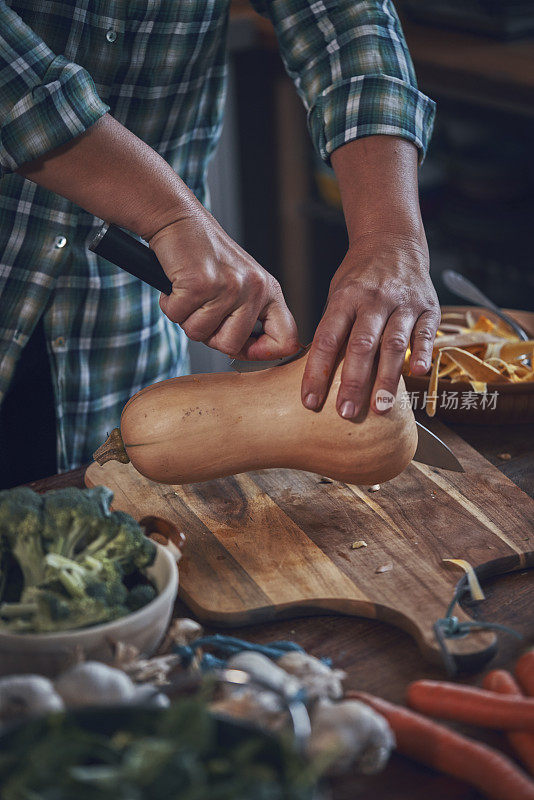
(277, 543)
(382, 659)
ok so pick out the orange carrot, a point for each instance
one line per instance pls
(524, 672)
(444, 750)
(501, 681)
(475, 706)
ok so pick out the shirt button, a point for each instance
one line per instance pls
(59, 343)
(59, 242)
(111, 35)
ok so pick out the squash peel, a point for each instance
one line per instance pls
(476, 350)
(474, 586)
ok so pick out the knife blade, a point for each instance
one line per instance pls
(433, 452)
(257, 366)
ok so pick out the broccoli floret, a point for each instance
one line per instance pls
(124, 543)
(49, 611)
(21, 521)
(17, 504)
(108, 586)
(83, 614)
(74, 577)
(74, 517)
(140, 596)
(65, 556)
(94, 579)
(54, 606)
(22, 616)
(55, 613)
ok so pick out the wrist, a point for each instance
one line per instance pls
(377, 177)
(169, 204)
(388, 227)
(384, 239)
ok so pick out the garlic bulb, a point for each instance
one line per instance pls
(352, 733)
(27, 695)
(148, 695)
(258, 706)
(156, 669)
(182, 632)
(265, 672)
(93, 683)
(316, 677)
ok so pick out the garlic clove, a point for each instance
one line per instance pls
(182, 632)
(148, 695)
(265, 672)
(27, 695)
(257, 706)
(351, 735)
(93, 683)
(316, 677)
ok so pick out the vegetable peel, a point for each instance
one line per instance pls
(474, 585)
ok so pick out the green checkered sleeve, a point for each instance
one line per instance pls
(45, 100)
(351, 66)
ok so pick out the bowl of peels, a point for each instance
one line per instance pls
(482, 373)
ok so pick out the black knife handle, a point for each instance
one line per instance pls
(131, 255)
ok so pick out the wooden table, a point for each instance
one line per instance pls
(382, 659)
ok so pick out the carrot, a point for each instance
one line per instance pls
(501, 681)
(524, 672)
(444, 750)
(472, 705)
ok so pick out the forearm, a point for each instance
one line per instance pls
(218, 290)
(381, 299)
(377, 177)
(111, 173)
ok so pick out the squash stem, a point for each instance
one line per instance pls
(112, 450)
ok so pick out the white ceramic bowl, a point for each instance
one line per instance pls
(50, 653)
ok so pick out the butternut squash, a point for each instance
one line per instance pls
(198, 427)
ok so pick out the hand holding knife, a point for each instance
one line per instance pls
(131, 255)
(135, 257)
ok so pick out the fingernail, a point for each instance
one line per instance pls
(311, 401)
(347, 409)
(421, 363)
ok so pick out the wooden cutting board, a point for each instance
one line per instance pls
(278, 542)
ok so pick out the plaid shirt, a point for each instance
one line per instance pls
(160, 69)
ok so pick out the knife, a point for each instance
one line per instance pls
(125, 251)
(135, 256)
(433, 452)
(130, 254)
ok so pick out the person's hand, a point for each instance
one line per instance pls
(381, 299)
(219, 291)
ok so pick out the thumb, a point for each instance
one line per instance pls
(279, 338)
